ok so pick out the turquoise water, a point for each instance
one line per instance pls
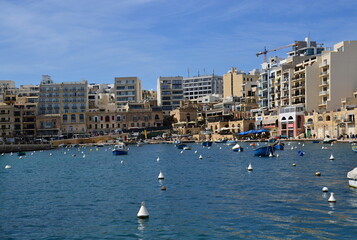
(52, 195)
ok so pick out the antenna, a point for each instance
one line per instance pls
(188, 72)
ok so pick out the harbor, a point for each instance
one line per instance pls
(87, 193)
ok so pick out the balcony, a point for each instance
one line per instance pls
(324, 73)
(324, 64)
(324, 83)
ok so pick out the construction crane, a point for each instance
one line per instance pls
(265, 51)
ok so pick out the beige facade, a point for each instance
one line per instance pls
(169, 93)
(6, 120)
(238, 84)
(127, 89)
(338, 73)
(48, 125)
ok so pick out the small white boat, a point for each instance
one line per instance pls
(187, 148)
(352, 178)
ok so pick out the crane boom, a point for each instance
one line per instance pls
(265, 51)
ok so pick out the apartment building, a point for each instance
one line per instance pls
(6, 121)
(337, 75)
(169, 93)
(199, 86)
(127, 89)
(239, 84)
(28, 94)
(8, 92)
(101, 96)
(66, 99)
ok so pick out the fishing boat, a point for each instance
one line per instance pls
(265, 151)
(352, 178)
(328, 140)
(279, 146)
(207, 143)
(21, 153)
(120, 149)
(237, 148)
(354, 148)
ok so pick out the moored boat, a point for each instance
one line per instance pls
(21, 153)
(315, 141)
(264, 151)
(187, 148)
(120, 149)
(231, 142)
(237, 148)
(328, 140)
(352, 178)
(354, 148)
(180, 145)
(279, 146)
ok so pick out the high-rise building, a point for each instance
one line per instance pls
(238, 84)
(199, 86)
(127, 89)
(169, 93)
(337, 75)
(66, 99)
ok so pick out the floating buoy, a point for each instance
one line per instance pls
(325, 189)
(96, 149)
(90, 150)
(158, 159)
(195, 151)
(200, 157)
(11, 154)
(301, 153)
(50, 154)
(294, 165)
(163, 188)
(332, 157)
(209, 148)
(277, 155)
(143, 212)
(2, 154)
(332, 198)
(121, 162)
(84, 156)
(181, 152)
(73, 155)
(271, 155)
(220, 147)
(7, 166)
(161, 176)
(20, 157)
(250, 168)
(318, 174)
(65, 153)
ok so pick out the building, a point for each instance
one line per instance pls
(6, 121)
(127, 89)
(101, 96)
(291, 120)
(66, 99)
(239, 84)
(8, 92)
(28, 94)
(169, 93)
(199, 86)
(338, 73)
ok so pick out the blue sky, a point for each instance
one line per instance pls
(99, 40)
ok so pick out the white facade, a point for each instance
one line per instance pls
(169, 93)
(199, 86)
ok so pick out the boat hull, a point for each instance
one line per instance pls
(352, 183)
(264, 151)
(240, 149)
(279, 147)
(181, 146)
(354, 148)
(120, 152)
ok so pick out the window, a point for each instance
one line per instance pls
(65, 118)
(73, 118)
(328, 118)
(81, 117)
(320, 119)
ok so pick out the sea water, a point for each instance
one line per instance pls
(62, 196)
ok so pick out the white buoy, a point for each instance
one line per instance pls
(158, 159)
(332, 157)
(7, 166)
(332, 198)
(122, 162)
(325, 189)
(2, 154)
(50, 154)
(143, 212)
(250, 168)
(209, 148)
(271, 155)
(20, 157)
(277, 155)
(11, 154)
(65, 153)
(200, 157)
(161, 176)
(195, 151)
(181, 152)
(220, 147)
(84, 156)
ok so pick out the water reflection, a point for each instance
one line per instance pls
(142, 224)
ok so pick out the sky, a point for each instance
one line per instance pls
(100, 40)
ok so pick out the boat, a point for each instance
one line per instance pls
(264, 151)
(352, 178)
(220, 141)
(21, 153)
(354, 148)
(207, 143)
(315, 141)
(120, 149)
(279, 146)
(237, 148)
(328, 140)
(180, 145)
(187, 148)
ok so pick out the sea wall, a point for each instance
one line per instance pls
(6, 148)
